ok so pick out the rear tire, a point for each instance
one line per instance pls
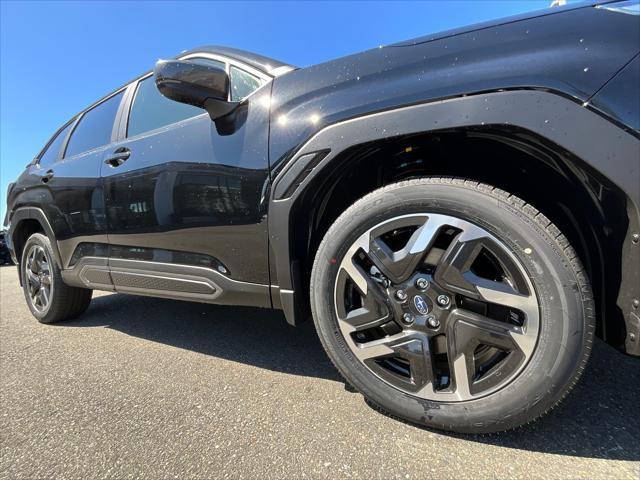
(540, 353)
(48, 297)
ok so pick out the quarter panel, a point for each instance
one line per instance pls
(72, 200)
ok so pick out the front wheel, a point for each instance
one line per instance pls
(453, 305)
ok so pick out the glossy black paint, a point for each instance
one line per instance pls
(573, 52)
(71, 198)
(203, 86)
(620, 97)
(186, 187)
(200, 193)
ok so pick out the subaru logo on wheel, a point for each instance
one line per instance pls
(421, 306)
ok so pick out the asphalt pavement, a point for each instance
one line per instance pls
(151, 388)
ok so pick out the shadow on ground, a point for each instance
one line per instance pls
(599, 419)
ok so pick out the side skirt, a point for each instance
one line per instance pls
(166, 280)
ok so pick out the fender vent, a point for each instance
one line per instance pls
(297, 173)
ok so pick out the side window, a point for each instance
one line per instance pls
(95, 127)
(242, 84)
(150, 110)
(50, 155)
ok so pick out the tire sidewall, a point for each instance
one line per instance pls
(562, 335)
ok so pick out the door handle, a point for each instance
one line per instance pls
(118, 157)
(47, 176)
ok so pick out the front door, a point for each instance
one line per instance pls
(186, 204)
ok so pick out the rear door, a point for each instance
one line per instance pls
(179, 194)
(70, 191)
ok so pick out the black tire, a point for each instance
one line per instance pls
(566, 324)
(64, 302)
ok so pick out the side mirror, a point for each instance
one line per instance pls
(204, 86)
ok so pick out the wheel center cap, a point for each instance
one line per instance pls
(421, 305)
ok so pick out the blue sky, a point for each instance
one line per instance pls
(56, 58)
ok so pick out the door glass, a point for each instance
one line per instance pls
(95, 127)
(50, 155)
(151, 110)
(243, 84)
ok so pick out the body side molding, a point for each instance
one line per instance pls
(179, 282)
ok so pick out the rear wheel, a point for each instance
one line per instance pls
(452, 304)
(48, 297)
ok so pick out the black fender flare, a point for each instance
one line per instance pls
(34, 213)
(563, 121)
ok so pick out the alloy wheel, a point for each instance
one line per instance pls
(38, 278)
(436, 307)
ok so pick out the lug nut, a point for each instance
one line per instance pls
(407, 318)
(401, 295)
(422, 283)
(443, 300)
(432, 321)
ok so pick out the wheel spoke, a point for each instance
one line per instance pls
(37, 261)
(31, 262)
(35, 297)
(368, 316)
(399, 265)
(468, 330)
(412, 347)
(44, 267)
(418, 353)
(32, 277)
(382, 347)
(373, 311)
(44, 296)
(452, 271)
(501, 294)
(461, 376)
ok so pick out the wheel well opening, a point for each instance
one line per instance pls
(22, 232)
(588, 209)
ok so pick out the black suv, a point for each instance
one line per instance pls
(459, 213)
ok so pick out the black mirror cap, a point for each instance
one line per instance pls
(189, 82)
